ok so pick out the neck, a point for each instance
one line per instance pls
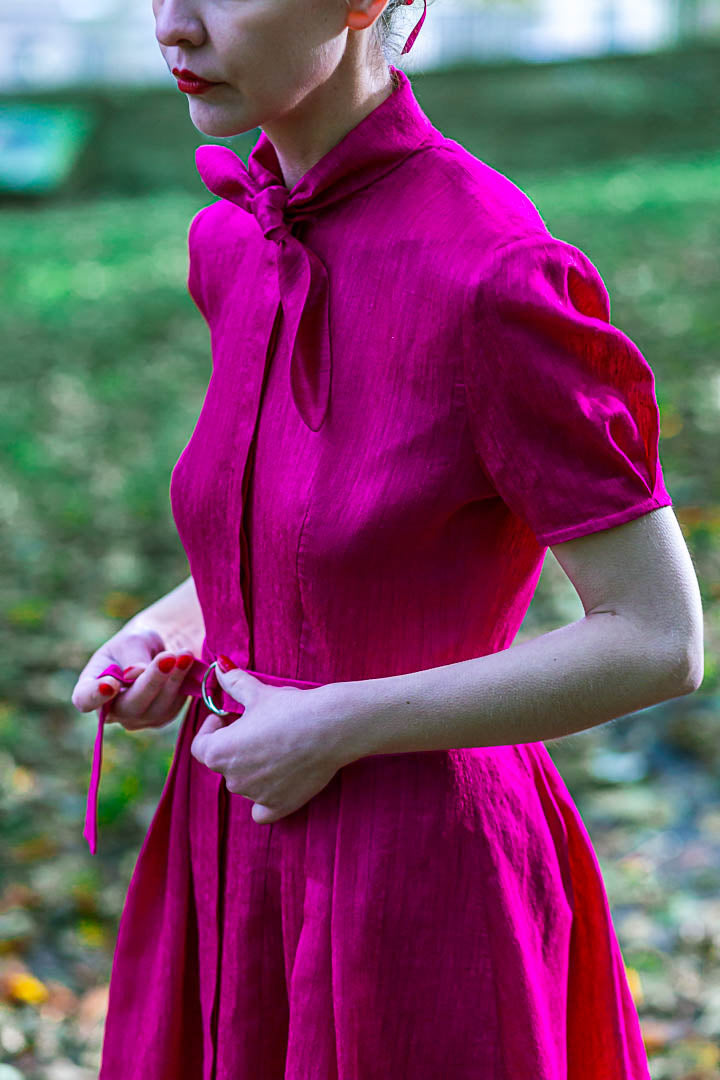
(318, 123)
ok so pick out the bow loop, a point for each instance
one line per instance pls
(302, 276)
(224, 173)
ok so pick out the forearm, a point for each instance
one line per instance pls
(177, 616)
(570, 679)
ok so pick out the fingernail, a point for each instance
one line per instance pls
(166, 664)
(132, 671)
(185, 660)
(225, 663)
(106, 689)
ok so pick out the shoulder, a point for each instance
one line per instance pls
(491, 236)
(487, 232)
(491, 209)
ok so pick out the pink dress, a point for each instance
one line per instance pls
(415, 390)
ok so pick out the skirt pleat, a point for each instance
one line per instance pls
(426, 914)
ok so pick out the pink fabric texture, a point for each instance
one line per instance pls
(415, 388)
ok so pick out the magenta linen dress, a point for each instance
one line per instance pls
(415, 390)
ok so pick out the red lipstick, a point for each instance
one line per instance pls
(190, 83)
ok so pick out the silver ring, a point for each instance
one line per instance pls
(208, 701)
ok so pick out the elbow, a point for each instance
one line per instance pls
(681, 653)
(679, 657)
(688, 666)
(695, 655)
(694, 672)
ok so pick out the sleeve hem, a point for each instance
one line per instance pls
(597, 524)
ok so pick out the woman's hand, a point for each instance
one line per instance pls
(285, 748)
(155, 697)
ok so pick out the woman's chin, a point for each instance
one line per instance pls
(209, 120)
(220, 131)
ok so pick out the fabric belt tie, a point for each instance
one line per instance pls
(192, 685)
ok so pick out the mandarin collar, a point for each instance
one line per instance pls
(381, 140)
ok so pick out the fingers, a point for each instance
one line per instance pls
(88, 693)
(166, 703)
(128, 648)
(155, 697)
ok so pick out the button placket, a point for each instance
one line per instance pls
(245, 598)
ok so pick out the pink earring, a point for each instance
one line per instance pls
(411, 40)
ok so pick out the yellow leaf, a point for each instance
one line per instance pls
(25, 987)
(635, 985)
(22, 779)
(708, 1056)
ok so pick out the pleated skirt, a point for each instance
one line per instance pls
(426, 915)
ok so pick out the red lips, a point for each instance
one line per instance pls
(190, 76)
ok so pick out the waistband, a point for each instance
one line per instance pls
(192, 685)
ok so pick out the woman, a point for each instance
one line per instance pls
(364, 863)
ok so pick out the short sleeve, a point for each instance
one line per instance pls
(562, 407)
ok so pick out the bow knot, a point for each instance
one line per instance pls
(225, 174)
(269, 205)
(302, 276)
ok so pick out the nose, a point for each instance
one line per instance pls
(177, 22)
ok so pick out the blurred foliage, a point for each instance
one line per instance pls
(103, 371)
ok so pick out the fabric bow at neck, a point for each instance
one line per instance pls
(302, 276)
(396, 129)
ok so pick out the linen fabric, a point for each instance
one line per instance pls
(415, 389)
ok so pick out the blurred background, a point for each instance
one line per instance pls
(605, 112)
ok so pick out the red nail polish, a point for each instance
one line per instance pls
(166, 664)
(132, 670)
(185, 661)
(106, 689)
(225, 663)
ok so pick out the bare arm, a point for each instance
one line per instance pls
(640, 643)
(177, 616)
